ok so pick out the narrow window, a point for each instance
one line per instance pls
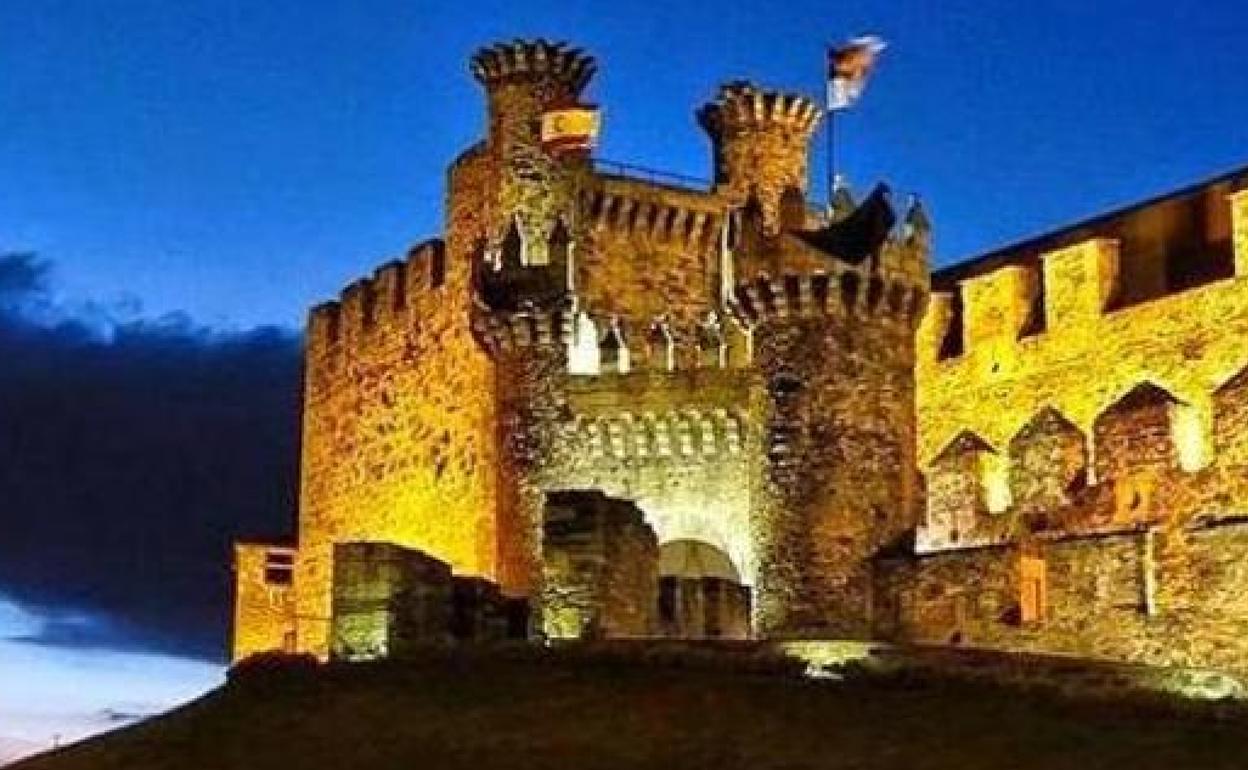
(437, 268)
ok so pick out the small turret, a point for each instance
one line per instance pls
(530, 192)
(917, 227)
(761, 144)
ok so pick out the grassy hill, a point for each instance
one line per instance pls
(515, 711)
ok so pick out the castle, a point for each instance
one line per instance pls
(613, 403)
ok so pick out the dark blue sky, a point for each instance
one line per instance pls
(240, 159)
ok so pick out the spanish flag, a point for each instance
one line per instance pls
(849, 66)
(570, 129)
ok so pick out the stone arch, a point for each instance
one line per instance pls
(1048, 464)
(701, 594)
(1230, 420)
(687, 557)
(957, 495)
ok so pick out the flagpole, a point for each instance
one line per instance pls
(831, 153)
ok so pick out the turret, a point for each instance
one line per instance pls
(760, 140)
(530, 193)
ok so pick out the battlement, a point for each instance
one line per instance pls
(689, 219)
(742, 105)
(843, 290)
(1110, 267)
(381, 301)
(1002, 312)
(525, 59)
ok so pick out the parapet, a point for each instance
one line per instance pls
(844, 291)
(1074, 277)
(379, 301)
(533, 59)
(744, 105)
(688, 219)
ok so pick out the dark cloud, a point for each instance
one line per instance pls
(132, 452)
(22, 275)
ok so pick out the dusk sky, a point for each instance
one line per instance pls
(191, 175)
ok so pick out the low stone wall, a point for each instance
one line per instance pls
(387, 599)
(600, 565)
(480, 612)
(1164, 597)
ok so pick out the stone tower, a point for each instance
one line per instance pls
(518, 210)
(834, 393)
(530, 195)
(760, 141)
(835, 398)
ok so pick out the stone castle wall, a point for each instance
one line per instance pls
(1166, 597)
(651, 252)
(600, 568)
(1090, 400)
(399, 440)
(1103, 441)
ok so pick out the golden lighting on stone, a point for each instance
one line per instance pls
(704, 356)
(1192, 436)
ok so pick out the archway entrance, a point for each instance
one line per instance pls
(701, 595)
(605, 575)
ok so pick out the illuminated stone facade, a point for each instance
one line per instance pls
(1083, 406)
(1046, 448)
(692, 350)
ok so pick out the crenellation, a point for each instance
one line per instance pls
(1043, 449)
(521, 58)
(844, 291)
(1081, 280)
(390, 289)
(324, 327)
(760, 141)
(358, 302)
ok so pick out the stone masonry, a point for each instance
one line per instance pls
(1044, 448)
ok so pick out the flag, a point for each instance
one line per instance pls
(570, 129)
(849, 66)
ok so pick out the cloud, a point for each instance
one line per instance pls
(133, 450)
(60, 694)
(22, 275)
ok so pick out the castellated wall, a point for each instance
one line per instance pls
(1089, 402)
(651, 252)
(398, 428)
(1086, 457)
